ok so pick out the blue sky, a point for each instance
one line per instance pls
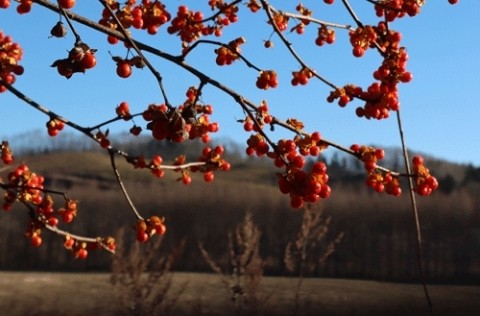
(440, 107)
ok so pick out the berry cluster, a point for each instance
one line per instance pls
(54, 126)
(188, 121)
(381, 97)
(361, 39)
(149, 15)
(102, 139)
(155, 166)
(34, 233)
(80, 58)
(46, 213)
(80, 249)
(304, 186)
(300, 27)
(226, 55)
(227, 12)
(368, 155)
(123, 111)
(267, 79)
(213, 161)
(384, 182)
(301, 77)
(425, 182)
(25, 186)
(150, 227)
(69, 212)
(392, 9)
(310, 144)
(185, 178)
(254, 6)
(257, 145)
(293, 151)
(6, 153)
(281, 21)
(325, 35)
(10, 55)
(210, 161)
(305, 12)
(188, 25)
(262, 117)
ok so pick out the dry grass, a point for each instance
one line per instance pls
(244, 274)
(141, 277)
(91, 294)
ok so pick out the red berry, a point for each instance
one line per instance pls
(379, 154)
(69, 243)
(208, 176)
(36, 240)
(53, 221)
(186, 179)
(358, 51)
(296, 201)
(142, 236)
(124, 70)
(24, 7)
(68, 216)
(4, 4)
(417, 160)
(112, 39)
(66, 4)
(89, 60)
(81, 253)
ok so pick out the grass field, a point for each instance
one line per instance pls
(204, 294)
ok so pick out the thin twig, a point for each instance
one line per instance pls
(413, 203)
(197, 73)
(78, 40)
(122, 186)
(240, 56)
(315, 20)
(352, 13)
(61, 232)
(219, 12)
(268, 9)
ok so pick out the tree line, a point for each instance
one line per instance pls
(378, 240)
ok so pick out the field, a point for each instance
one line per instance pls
(205, 294)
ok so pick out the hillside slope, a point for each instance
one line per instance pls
(378, 230)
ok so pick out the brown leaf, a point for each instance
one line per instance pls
(296, 124)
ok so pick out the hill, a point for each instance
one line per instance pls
(378, 230)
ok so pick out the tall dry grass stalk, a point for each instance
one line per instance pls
(244, 274)
(311, 248)
(141, 276)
